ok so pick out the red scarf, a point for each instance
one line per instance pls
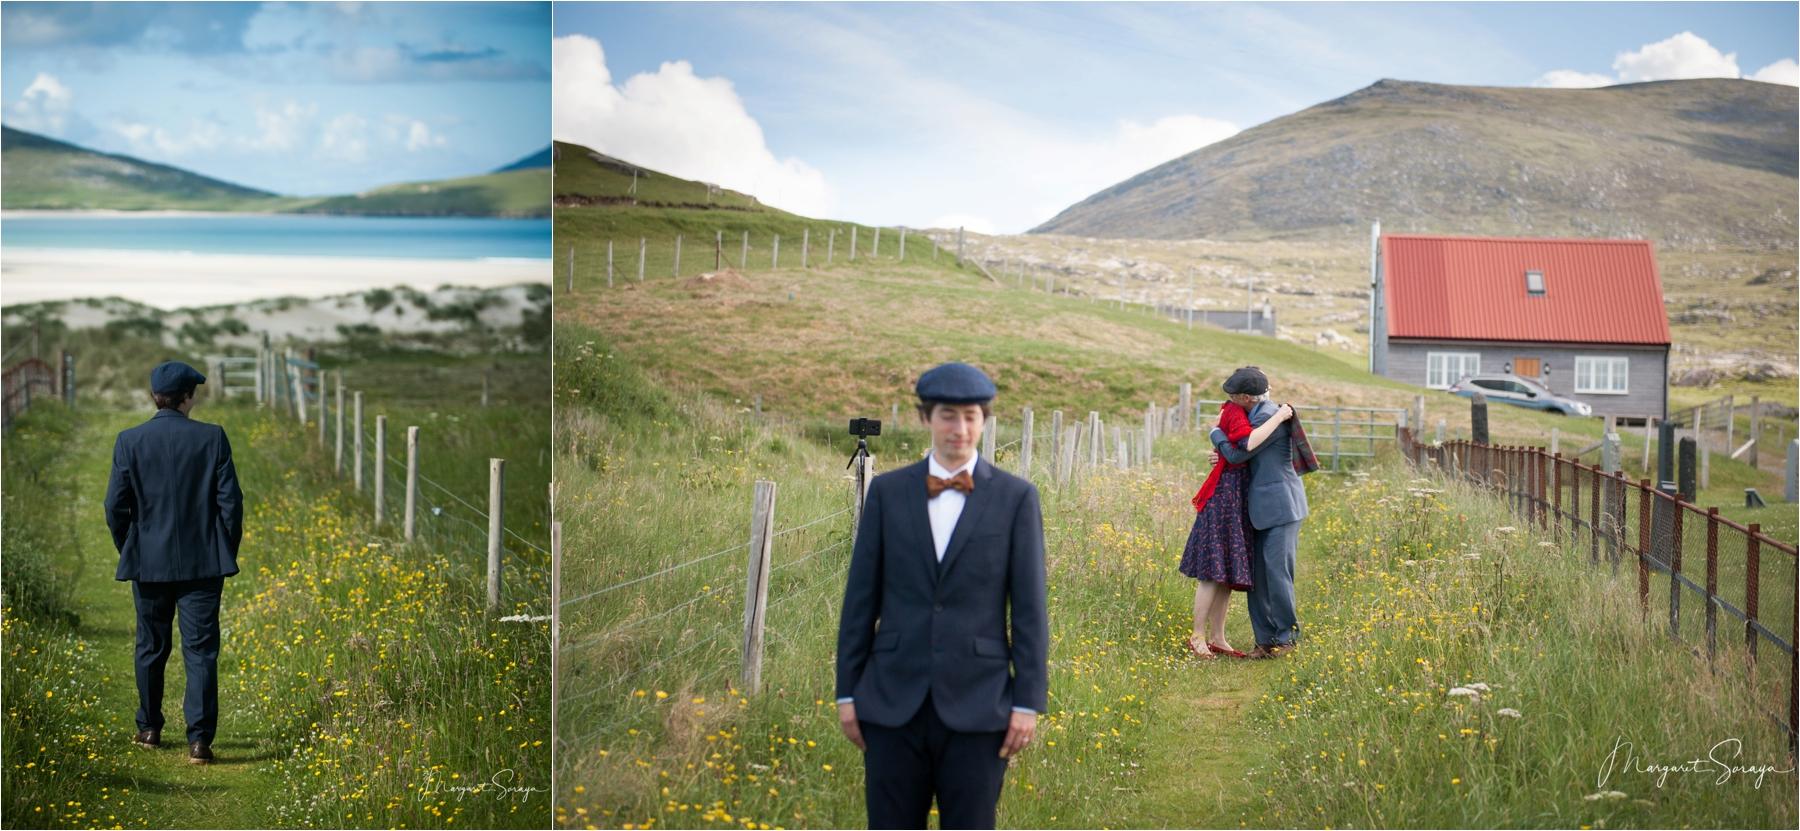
(1236, 424)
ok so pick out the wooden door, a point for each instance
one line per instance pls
(1528, 367)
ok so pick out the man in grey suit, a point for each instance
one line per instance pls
(929, 684)
(177, 518)
(1277, 505)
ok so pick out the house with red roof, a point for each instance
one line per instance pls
(1583, 317)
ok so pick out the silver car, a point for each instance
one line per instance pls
(1521, 392)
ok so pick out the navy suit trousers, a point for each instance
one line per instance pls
(198, 602)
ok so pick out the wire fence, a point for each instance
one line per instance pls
(1741, 578)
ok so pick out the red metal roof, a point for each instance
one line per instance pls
(1473, 288)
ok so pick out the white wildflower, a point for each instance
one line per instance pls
(1510, 712)
(1464, 692)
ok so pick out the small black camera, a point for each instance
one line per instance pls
(865, 427)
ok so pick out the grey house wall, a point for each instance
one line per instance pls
(1648, 371)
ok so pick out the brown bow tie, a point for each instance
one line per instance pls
(961, 481)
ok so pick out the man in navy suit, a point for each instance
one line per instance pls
(929, 684)
(1277, 505)
(177, 517)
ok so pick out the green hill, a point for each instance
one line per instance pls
(541, 158)
(1694, 164)
(43, 173)
(588, 177)
(514, 193)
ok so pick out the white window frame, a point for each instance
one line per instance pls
(1437, 368)
(1597, 374)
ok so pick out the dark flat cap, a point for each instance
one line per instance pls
(174, 376)
(1247, 381)
(955, 383)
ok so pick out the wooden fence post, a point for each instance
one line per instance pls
(959, 245)
(756, 590)
(1337, 429)
(718, 249)
(1149, 434)
(1119, 446)
(1094, 439)
(1675, 547)
(875, 250)
(1187, 421)
(1752, 587)
(571, 281)
(1755, 427)
(902, 245)
(859, 492)
(319, 379)
(1056, 439)
(410, 519)
(1644, 513)
(643, 251)
(496, 505)
(1712, 584)
(357, 440)
(677, 270)
(337, 464)
(805, 244)
(299, 390)
(1556, 489)
(853, 243)
(380, 465)
(609, 264)
(1025, 444)
(775, 254)
(1478, 419)
(744, 253)
(831, 246)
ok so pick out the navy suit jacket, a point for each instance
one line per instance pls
(1276, 496)
(912, 626)
(173, 502)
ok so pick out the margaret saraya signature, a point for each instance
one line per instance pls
(501, 785)
(1720, 762)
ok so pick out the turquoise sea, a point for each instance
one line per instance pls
(286, 235)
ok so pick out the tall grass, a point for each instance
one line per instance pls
(363, 668)
(656, 729)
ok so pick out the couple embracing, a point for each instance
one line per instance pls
(943, 638)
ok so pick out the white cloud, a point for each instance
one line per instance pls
(1685, 55)
(282, 129)
(1571, 79)
(43, 106)
(146, 139)
(419, 137)
(344, 139)
(1784, 71)
(678, 122)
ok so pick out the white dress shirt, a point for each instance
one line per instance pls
(947, 506)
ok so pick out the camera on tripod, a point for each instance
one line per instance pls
(862, 428)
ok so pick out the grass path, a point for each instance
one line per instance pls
(171, 791)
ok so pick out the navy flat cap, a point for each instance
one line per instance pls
(174, 376)
(1247, 381)
(955, 383)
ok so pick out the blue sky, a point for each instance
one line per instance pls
(298, 99)
(999, 115)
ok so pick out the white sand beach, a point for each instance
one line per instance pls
(171, 280)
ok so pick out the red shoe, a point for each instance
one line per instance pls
(1224, 651)
(1204, 656)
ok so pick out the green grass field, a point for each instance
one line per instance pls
(362, 682)
(658, 446)
(656, 730)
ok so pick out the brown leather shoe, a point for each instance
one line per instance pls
(199, 753)
(148, 738)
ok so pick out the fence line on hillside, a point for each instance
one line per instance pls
(1656, 529)
(33, 378)
(620, 261)
(289, 386)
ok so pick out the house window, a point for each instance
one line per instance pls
(1445, 368)
(1534, 283)
(1595, 375)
